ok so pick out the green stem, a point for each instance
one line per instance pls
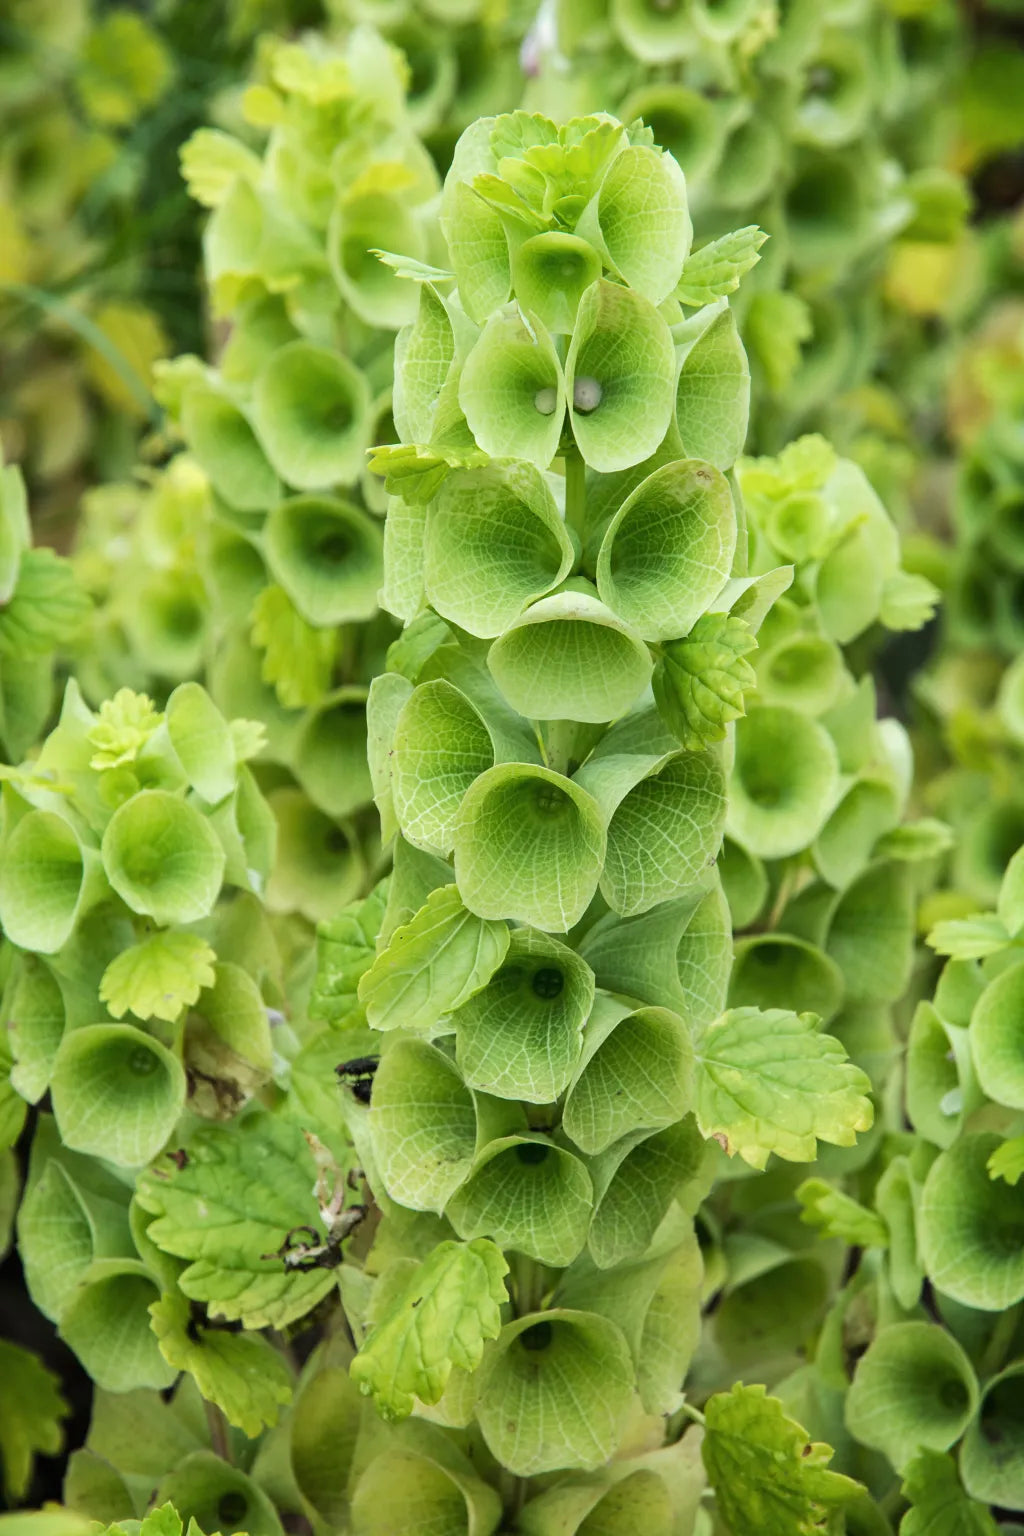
(999, 1343)
(561, 738)
(218, 1431)
(576, 493)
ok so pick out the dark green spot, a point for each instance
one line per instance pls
(548, 982)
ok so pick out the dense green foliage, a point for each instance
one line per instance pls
(511, 971)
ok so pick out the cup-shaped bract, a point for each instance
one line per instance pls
(992, 1453)
(784, 782)
(636, 1073)
(521, 1035)
(677, 956)
(319, 868)
(529, 846)
(837, 91)
(668, 549)
(635, 1182)
(563, 1381)
(202, 742)
(167, 620)
(424, 1125)
(495, 542)
(117, 1093)
(440, 746)
(550, 273)
(512, 389)
(997, 1046)
(570, 658)
(106, 1323)
(221, 438)
(713, 390)
(163, 858)
(656, 33)
(361, 225)
(685, 121)
(825, 209)
(914, 1389)
(528, 1194)
(311, 408)
(779, 971)
(330, 754)
(205, 1488)
(664, 832)
(619, 377)
(971, 1227)
(403, 1489)
(639, 219)
(940, 1078)
(48, 879)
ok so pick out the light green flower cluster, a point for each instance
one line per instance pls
(826, 124)
(254, 559)
(135, 850)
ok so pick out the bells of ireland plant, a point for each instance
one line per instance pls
(546, 1072)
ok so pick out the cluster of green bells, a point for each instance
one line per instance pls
(602, 834)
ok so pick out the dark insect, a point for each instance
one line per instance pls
(357, 1074)
(303, 1249)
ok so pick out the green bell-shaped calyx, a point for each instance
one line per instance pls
(163, 858)
(529, 846)
(48, 877)
(512, 389)
(914, 1389)
(528, 1194)
(636, 1073)
(423, 1124)
(556, 1392)
(570, 657)
(668, 549)
(784, 782)
(520, 1036)
(495, 542)
(620, 377)
(117, 1093)
(970, 1227)
(326, 554)
(312, 412)
(221, 438)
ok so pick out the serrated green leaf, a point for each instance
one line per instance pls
(718, 267)
(239, 1192)
(908, 601)
(441, 1319)
(837, 1215)
(159, 977)
(47, 608)
(432, 964)
(769, 1478)
(31, 1410)
(770, 1082)
(242, 1373)
(210, 162)
(1007, 1161)
(939, 1505)
(699, 682)
(345, 949)
(297, 659)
